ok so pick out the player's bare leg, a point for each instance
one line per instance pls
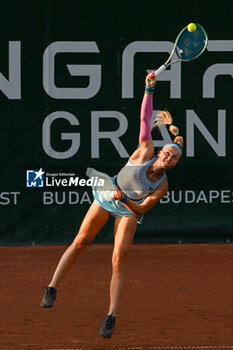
(93, 222)
(125, 228)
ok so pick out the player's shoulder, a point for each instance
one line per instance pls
(141, 156)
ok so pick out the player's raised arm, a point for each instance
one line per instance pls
(145, 140)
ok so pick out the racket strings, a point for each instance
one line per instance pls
(190, 44)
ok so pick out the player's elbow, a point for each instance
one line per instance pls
(136, 212)
(143, 209)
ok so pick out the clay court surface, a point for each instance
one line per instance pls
(175, 297)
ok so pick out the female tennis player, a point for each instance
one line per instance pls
(139, 185)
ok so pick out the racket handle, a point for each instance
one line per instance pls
(160, 70)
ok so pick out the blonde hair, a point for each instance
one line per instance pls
(163, 118)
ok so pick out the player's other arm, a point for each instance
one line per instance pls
(148, 203)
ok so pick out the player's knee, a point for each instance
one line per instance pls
(119, 260)
(80, 243)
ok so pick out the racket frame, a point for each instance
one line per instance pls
(168, 63)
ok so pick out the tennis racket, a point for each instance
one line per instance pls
(188, 46)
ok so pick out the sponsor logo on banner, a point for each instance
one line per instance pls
(212, 70)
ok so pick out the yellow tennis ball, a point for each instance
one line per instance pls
(192, 27)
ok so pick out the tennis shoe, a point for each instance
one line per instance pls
(108, 326)
(49, 297)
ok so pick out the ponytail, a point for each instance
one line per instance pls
(163, 118)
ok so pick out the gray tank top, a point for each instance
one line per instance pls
(133, 181)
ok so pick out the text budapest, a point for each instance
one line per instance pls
(202, 196)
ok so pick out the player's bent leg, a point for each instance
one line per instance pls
(125, 228)
(93, 222)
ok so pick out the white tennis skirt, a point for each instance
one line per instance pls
(103, 196)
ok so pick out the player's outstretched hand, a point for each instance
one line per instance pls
(150, 79)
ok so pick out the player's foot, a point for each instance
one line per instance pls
(49, 297)
(108, 326)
